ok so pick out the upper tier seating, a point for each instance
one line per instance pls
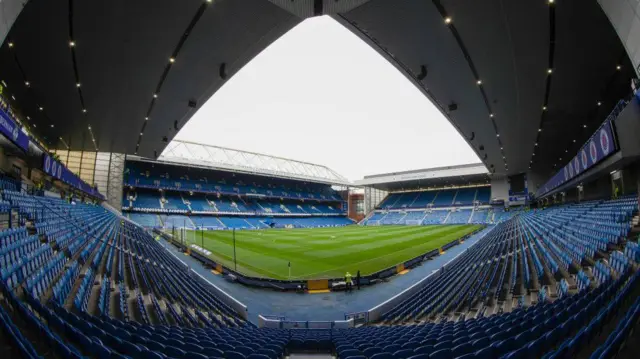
(207, 181)
(439, 198)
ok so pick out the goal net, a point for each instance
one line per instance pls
(413, 222)
(374, 223)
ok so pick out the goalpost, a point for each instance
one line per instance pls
(413, 222)
(374, 223)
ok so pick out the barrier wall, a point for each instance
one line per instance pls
(283, 323)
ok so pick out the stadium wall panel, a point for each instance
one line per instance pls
(500, 189)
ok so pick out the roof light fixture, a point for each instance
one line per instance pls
(51, 125)
(155, 95)
(539, 130)
(172, 60)
(549, 71)
(497, 135)
(599, 103)
(26, 83)
(544, 108)
(77, 84)
(618, 67)
(479, 82)
(84, 110)
(585, 126)
(491, 115)
(40, 108)
(551, 2)
(574, 141)
(447, 20)
(72, 43)
(146, 118)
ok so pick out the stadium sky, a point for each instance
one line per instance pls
(320, 94)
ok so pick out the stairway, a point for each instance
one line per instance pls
(447, 217)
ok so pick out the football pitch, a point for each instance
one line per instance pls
(316, 253)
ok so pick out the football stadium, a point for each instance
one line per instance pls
(119, 238)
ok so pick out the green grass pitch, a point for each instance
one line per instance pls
(317, 253)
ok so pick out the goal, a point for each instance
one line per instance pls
(373, 223)
(413, 222)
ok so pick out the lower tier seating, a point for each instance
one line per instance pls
(77, 281)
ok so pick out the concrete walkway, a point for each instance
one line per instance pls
(325, 306)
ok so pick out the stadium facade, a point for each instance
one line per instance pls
(545, 92)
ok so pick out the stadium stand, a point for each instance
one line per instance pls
(437, 198)
(168, 177)
(76, 281)
(456, 215)
(165, 196)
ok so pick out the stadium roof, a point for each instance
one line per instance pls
(471, 174)
(221, 158)
(523, 81)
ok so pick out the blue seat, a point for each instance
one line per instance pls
(517, 354)
(371, 351)
(383, 355)
(391, 348)
(485, 353)
(256, 356)
(441, 354)
(100, 351)
(460, 340)
(174, 352)
(461, 350)
(225, 347)
(425, 349)
(233, 355)
(403, 353)
(348, 353)
(244, 350)
(480, 343)
(442, 345)
(411, 345)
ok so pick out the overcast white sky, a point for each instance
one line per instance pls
(320, 94)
